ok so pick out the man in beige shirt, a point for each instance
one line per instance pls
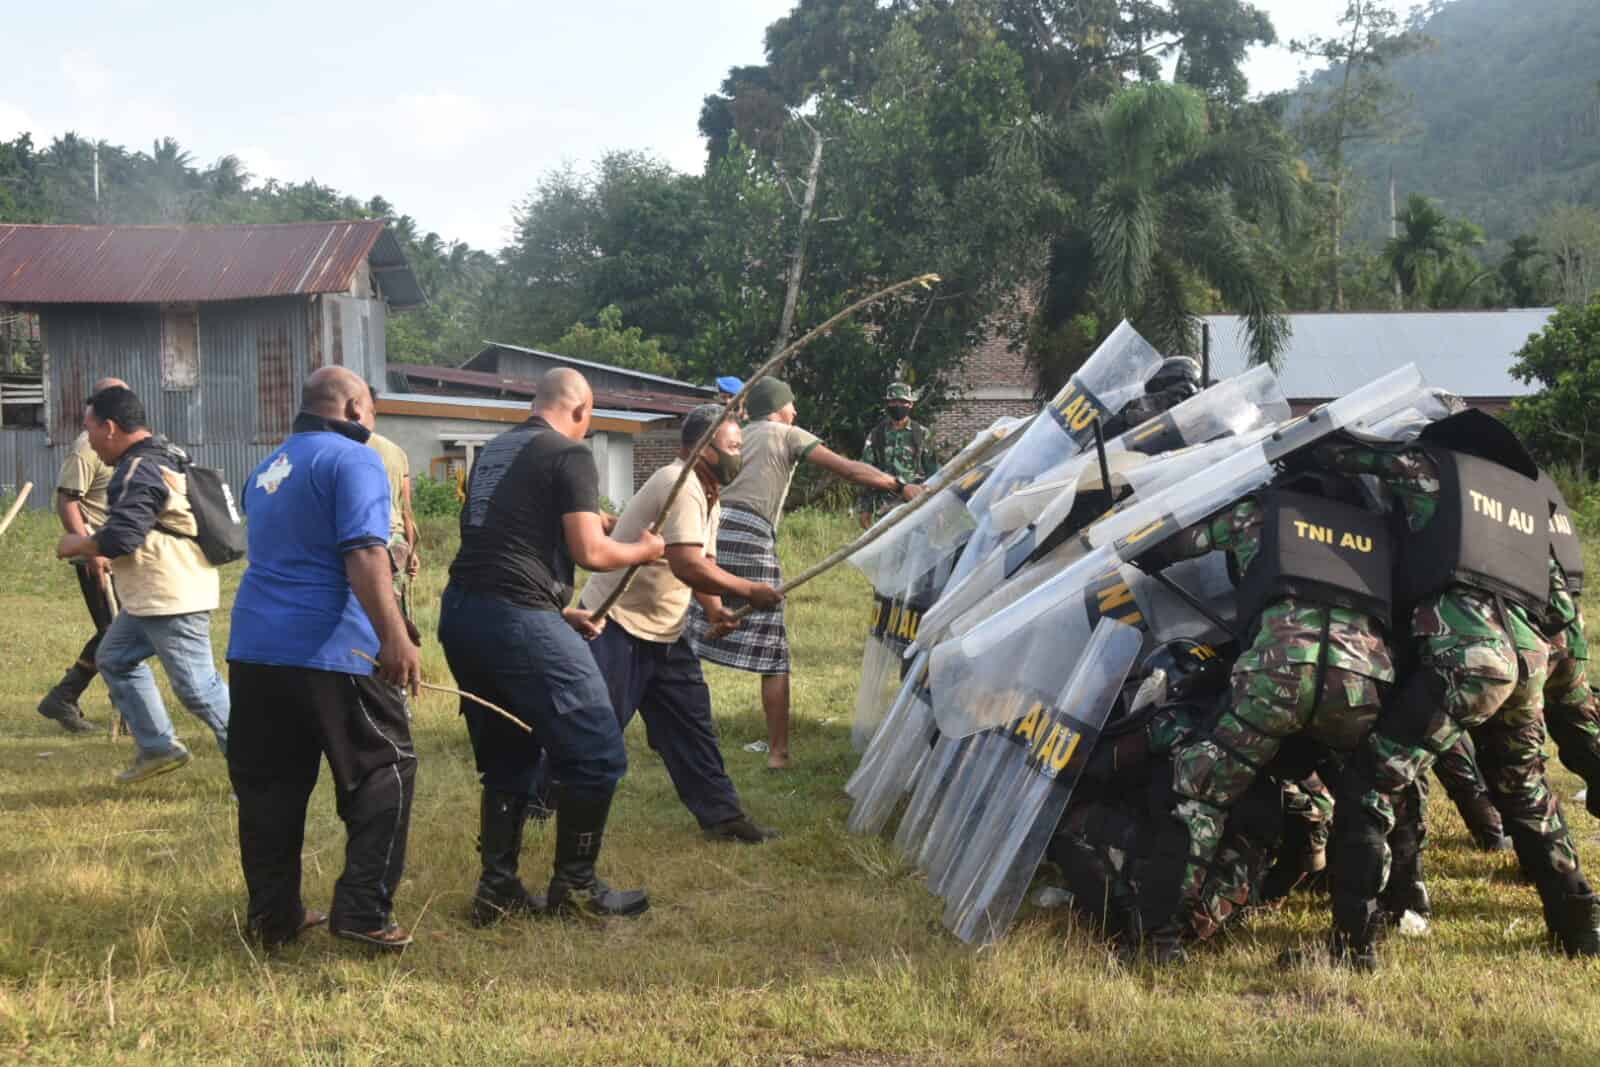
(403, 551)
(167, 586)
(81, 506)
(647, 662)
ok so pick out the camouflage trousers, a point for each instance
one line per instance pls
(1210, 774)
(1457, 770)
(1480, 666)
(1572, 714)
(1310, 802)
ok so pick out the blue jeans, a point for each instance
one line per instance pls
(537, 667)
(183, 644)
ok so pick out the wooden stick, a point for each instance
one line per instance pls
(463, 694)
(16, 506)
(838, 556)
(109, 591)
(766, 369)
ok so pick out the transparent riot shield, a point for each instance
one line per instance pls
(1006, 637)
(1221, 420)
(1049, 748)
(1108, 379)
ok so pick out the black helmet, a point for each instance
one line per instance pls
(1194, 671)
(1181, 371)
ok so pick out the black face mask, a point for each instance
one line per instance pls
(899, 411)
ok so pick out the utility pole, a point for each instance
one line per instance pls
(1394, 232)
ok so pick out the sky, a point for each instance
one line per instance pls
(451, 112)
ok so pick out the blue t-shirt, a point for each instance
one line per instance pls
(319, 496)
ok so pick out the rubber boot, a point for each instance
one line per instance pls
(500, 893)
(575, 889)
(61, 703)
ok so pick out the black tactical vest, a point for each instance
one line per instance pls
(1565, 543)
(1321, 551)
(1490, 531)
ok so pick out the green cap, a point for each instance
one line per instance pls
(899, 391)
(766, 396)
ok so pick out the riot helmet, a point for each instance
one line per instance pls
(1177, 373)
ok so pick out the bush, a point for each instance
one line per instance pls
(435, 500)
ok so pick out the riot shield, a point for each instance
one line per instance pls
(1049, 748)
(1008, 635)
(1109, 378)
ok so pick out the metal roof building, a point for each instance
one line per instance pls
(215, 327)
(1329, 354)
(529, 364)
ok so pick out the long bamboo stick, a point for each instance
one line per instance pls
(769, 367)
(463, 694)
(838, 556)
(16, 506)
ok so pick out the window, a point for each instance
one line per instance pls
(180, 346)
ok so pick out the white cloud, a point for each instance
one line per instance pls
(83, 73)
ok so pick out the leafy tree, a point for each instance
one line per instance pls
(608, 342)
(1522, 281)
(1570, 235)
(1562, 420)
(1357, 101)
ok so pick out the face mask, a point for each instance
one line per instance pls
(899, 411)
(727, 466)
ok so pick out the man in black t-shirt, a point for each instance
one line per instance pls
(533, 512)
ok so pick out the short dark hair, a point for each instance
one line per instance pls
(121, 406)
(698, 421)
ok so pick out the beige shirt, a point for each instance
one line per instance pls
(85, 478)
(168, 574)
(771, 452)
(655, 605)
(397, 465)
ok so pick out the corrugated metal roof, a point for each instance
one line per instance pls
(159, 264)
(490, 346)
(664, 403)
(1329, 354)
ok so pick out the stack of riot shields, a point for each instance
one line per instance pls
(1021, 637)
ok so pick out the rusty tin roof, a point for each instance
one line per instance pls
(159, 264)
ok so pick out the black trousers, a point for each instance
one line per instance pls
(665, 685)
(283, 721)
(94, 598)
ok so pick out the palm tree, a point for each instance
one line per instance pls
(1171, 216)
(1421, 247)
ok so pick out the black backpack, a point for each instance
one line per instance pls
(220, 531)
(221, 534)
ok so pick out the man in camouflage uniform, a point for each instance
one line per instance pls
(1311, 668)
(1457, 770)
(898, 446)
(1480, 664)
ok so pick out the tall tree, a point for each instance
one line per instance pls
(1354, 101)
(1570, 235)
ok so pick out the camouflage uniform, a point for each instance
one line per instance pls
(1571, 711)
(1457, 770)
(895, 452)
(1275, 697)
(1481, 665)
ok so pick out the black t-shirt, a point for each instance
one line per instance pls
(512, 542)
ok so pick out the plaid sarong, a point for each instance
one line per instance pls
(746, 547)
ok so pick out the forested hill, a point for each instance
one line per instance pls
(1505, 116)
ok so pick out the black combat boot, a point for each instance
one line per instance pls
(1483, 822)
(574, 888)
(61, 703)
(1578, 924)
(500, 892)
(1299, 860)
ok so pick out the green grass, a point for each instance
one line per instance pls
(120, 909)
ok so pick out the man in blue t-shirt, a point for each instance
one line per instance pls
(317, 593)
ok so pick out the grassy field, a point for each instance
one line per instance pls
(120, 912)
